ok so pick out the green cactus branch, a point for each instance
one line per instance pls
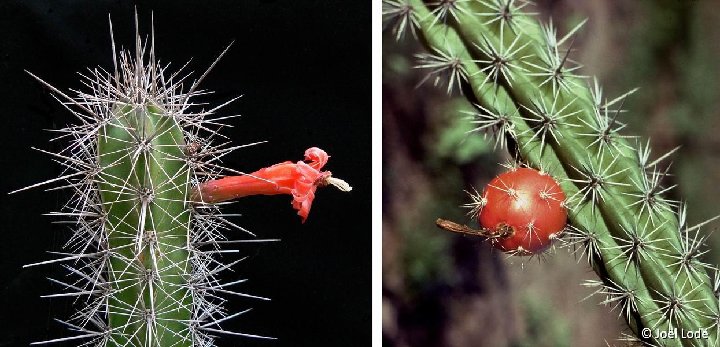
(143, 256)
(143, 185)
(526, 89)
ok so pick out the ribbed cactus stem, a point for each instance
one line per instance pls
(143, 184)
(143, 258)
(526, 90)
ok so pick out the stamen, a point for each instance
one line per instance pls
(338, 183)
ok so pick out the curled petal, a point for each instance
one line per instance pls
(317, 157)
(306, 182)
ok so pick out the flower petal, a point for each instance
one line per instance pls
(317, 157)
(306, 183)
(299, 179)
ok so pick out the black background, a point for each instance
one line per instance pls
(303, 68)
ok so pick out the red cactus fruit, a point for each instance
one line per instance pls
(524, 209)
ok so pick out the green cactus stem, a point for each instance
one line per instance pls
(143, 259)
(143, 184)
(528, 93)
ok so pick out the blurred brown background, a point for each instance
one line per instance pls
(447, 290)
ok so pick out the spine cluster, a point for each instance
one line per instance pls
(143, 260)
(528, 94)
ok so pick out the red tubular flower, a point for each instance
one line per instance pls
(297, 179)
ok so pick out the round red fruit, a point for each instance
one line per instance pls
(527, 206)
